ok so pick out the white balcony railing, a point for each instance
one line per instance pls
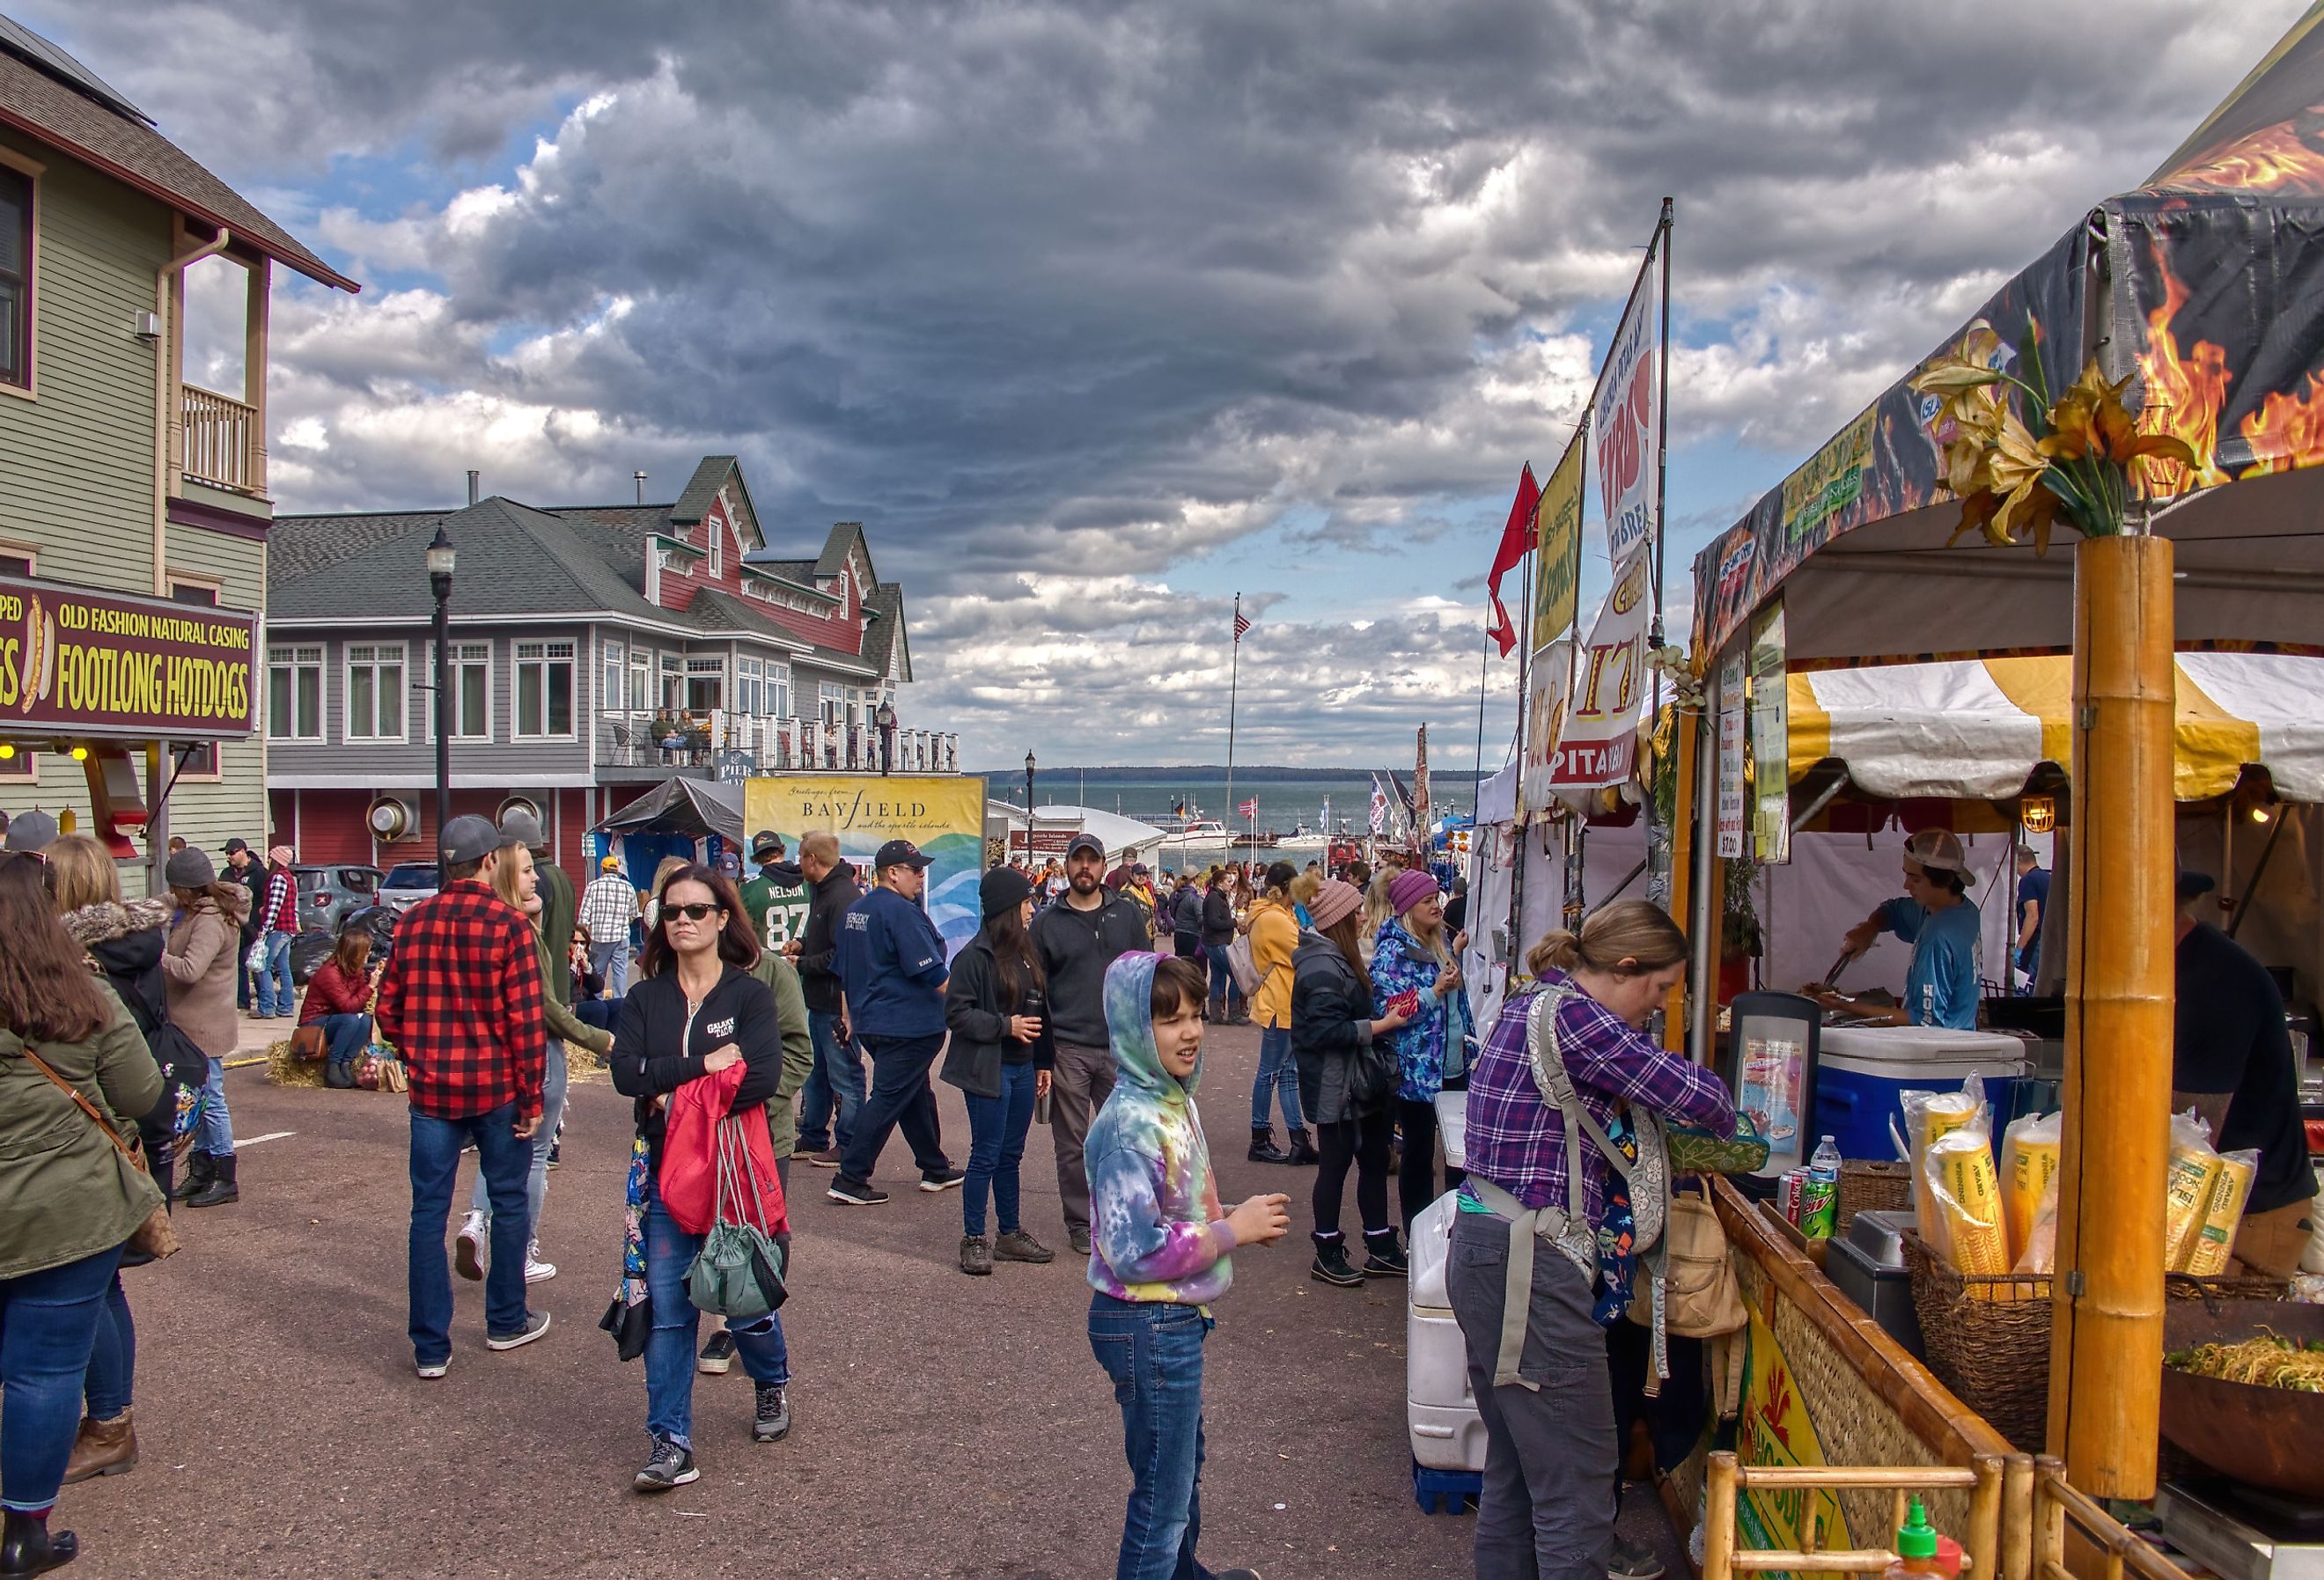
(220, 438)
(766, 744)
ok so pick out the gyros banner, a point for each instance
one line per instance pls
(1624, 425)
(1599, 737)
(108, 664)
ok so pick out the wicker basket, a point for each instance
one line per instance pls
(1987, 1336)
(1866, 1186)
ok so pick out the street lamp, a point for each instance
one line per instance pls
(1029, 809)
(440, 558)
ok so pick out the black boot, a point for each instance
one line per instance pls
(200, 1170)
(1263, 1149)
(221, 1188)
(339, 1075)
(1215, 1011)
(1383, 1257)
(28, 1547)
(1330, 1263)
(1303, 1146)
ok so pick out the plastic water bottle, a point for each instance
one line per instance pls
(1826, 1161)
(1820, 1197)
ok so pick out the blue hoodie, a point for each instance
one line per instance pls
(1156, 1229)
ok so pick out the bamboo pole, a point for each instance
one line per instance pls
(2106, 1366)
(1719, 1518)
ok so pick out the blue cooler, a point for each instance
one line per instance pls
(1864, 1069)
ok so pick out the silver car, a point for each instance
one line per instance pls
(407, 884)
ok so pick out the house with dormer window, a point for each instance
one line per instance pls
(594, 649)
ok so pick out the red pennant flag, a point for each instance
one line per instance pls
(1517, 540)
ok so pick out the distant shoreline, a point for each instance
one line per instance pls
(1216, 772)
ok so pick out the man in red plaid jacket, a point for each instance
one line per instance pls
(461, 1004)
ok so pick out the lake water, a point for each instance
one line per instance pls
(1283, 805)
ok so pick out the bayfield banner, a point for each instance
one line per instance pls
(1557, 548)
(1599, 739)
(1623, 420)
(1545, 686)
(943, 815)
(108, 664)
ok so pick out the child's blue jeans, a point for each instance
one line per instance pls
(1153, 1351)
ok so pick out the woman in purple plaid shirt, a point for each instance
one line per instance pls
(1536, 1338)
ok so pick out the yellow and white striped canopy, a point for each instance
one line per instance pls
(1977, 728)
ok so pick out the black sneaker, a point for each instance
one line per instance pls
(535, 1325)
(1331, 1264)
(773, 1421)
(1633, 1561)
(1384, 1257)
(855, 1193)
(933, 1180)
(717, 1354)
(668, 1466)
(1078, 1238)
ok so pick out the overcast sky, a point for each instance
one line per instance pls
(1099, 314)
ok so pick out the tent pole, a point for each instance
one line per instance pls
(1693, 839)
(2106, 1365)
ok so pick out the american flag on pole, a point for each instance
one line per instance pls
(1242, 624)
(1249, 809)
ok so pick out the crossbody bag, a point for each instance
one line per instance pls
(156, 1237)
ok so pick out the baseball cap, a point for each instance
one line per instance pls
(766, 842)
(471, 838)
(521, 828)
(612, 863)
(899, 853)
(233, 845)
(1086, 842)
(32, 831)
(1936, 848)
(2194, 885)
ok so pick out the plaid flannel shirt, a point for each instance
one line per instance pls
(1516, 1140)
(279, 913)
(461, 1002)
(608, 906)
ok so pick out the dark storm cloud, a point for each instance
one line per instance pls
(1088, 290)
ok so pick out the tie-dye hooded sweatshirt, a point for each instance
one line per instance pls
(1157, 1230)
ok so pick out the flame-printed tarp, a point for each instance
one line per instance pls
(1979, 728)
(2207, 283)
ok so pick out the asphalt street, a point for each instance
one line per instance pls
(945, 1426)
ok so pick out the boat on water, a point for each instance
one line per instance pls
(1197, 832)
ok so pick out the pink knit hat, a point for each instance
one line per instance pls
(1408, 889)
(1333, 903)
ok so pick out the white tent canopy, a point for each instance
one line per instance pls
(1979, 728)
(1125, 838)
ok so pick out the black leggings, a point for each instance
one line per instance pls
(1365, 1144)
(1418, 1174)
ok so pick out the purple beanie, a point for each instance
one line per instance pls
(1408, 889)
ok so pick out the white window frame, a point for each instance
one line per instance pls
(749, 685)
(30, 553)
(31, 171)
(779, 689)
(612, 665)
(464, 655)
(378, 655)
(292, 659)
(714, 530)
(541, 658)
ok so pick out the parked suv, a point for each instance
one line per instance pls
(328, 893)
(407, 884)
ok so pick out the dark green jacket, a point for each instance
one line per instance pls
(558, 909)
(65, 1192)
(782, 978)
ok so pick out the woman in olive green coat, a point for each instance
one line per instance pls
(68, 1197)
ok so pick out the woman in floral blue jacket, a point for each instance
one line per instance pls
(1412, 955)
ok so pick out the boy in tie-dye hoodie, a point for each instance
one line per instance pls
(1159, 1255)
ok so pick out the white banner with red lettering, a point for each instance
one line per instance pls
(1624, 426)
(1600, 735)
(1545, 722)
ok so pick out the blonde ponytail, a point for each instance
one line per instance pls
(1628, 938)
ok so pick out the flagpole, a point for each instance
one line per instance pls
(1484, 661)
(1234, 678)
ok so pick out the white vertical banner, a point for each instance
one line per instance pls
(1624, 420)
(1545, 701)
(1600, 737)
(1734, 813)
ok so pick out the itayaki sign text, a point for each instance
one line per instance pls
(114, 665)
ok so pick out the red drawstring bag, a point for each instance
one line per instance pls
(688, 1182)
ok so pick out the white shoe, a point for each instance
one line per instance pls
(537, 1271)
(467, 1248)
(434, 1371)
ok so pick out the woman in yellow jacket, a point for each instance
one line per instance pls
(1274, 929)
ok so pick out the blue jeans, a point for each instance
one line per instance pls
(1277, 1072)
(670, 1346)
(553, 1085)
(48, 1326)
(610, 958)
(997, 1127)
(1221, 977)
(1153, 1351)
(834, 1089)
(113, 1360)
(604, 1015)
(502, 1158)
(347, 1035)
(275, 996)
(213, 1133)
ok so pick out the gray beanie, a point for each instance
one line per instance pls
(190, 868)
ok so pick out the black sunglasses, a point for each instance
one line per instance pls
(691, 912)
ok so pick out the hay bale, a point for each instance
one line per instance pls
(283, 1070)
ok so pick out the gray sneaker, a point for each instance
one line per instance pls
(668, 1466)
(1633, 1561)
(1021, 1246)
(535, 1325)
(975, 1256)
(1078, 1238)
(773, 1421)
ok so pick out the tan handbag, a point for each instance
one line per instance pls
(307, 1043)
(157, 1237)
(1701, 1298)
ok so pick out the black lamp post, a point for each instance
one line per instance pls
(440, 558)
(1029, 809)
